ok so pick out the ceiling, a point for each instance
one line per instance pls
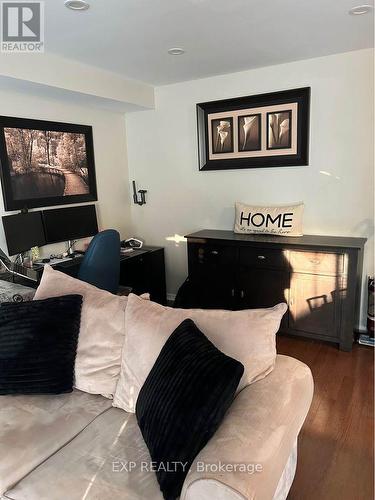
(131, 37)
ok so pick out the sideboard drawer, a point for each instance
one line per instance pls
(263, 258)
(331, 264)
(210, 256)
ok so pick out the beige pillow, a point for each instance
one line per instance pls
(278, 220)
(101, 336)
(248, 336)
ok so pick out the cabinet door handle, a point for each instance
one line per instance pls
(261, 257)
(242, 294)
(214, 252)
(232, 292)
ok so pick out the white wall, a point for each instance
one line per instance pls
(113, 204)
(337, 186)
(57, 75)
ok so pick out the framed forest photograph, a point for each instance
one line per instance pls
(266, 130)
(45, 163)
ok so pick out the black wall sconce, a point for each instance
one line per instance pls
(141, 199)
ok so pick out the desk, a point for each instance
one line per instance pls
(143, 270)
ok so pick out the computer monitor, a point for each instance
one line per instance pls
(23, 231)
(73, 223)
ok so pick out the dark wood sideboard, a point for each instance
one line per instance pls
(319, 277)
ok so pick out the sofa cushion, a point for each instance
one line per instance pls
(183, 401)
(38, 344)
(248, 336)
(261, 426)
(32, 428)
(101, 335)
(96, 465)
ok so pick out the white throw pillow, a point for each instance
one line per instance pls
(278, 220)
(248, 336)
(102, 331)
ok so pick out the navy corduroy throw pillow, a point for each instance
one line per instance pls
(183, 401)
(38, 344)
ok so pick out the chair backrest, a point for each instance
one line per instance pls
(101, 264)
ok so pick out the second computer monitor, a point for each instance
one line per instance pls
(73, 223)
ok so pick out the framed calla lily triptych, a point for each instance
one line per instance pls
(267, 130)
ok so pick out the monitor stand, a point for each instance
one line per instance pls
(70, 247)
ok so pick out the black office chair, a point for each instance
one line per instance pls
(101, 264)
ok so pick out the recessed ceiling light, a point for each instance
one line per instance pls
(76, 4)
(176, 51)
(360, 9)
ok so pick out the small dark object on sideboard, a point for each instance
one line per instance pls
(319, 277)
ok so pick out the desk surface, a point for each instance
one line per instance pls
(139, 251)
(79, 257)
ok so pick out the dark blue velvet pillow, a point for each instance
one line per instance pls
(183, 401)
(38, 344)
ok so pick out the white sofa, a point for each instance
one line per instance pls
(73, 446)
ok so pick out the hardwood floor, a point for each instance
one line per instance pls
(335, 449)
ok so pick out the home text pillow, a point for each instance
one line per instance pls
(101, 335)
(187, 393)
(38, 344)
(277, 220)
(248, 336)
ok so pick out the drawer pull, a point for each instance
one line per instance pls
(214, 252)
(315, 261)
(261, 257)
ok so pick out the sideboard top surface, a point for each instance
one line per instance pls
(309, 240)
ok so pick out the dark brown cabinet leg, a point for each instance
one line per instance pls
(346, 345)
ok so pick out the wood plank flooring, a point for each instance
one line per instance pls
(335, 449)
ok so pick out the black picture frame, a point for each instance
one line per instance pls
(12, 203)
(300, 96)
